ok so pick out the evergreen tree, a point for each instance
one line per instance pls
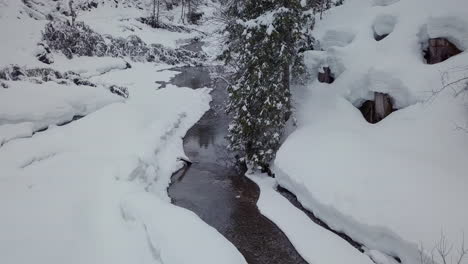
(263, 40)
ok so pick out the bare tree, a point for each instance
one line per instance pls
(182, 13)
(155, 15)
(72, 12)
(441, 253)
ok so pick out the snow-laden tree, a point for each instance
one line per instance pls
(263, 40)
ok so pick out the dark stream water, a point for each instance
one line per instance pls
(215, 190)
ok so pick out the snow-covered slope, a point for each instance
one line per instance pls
(94, 190)
(404, 180)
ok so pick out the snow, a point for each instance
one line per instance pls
(79, 180)
(52, 103)
(336, 38)
(314, 243)
(12, 131)
(20, 35)
(95, 190)
(384, 24)
(121, 22)
(88, 66)
(400, 182)
(453, 28)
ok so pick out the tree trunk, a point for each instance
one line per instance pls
(153, 16)
(321, 9)
(383, 106)
(157, 14)
(72, 12)
(182, 15)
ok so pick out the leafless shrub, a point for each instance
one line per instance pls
(443, 252)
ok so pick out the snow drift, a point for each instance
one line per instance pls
(398, 183)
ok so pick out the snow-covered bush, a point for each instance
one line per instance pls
(167, 26)
(119, 90)
(194, 17)
(132, 46)
(12, 72)
(43, 53)
(40, 75)
(81, 40)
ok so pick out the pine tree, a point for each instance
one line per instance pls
(262, 44)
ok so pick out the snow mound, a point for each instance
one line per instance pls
(384, 2)
(50, 103)
(336, 38)
(383, 25)
(314, 243)
(381, 82)
(454, 29)
(316, 61)
(13, 131)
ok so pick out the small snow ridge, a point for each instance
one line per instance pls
(384, 2)
(10, 132)
(336, 38)
(383, 26)
(37, 159)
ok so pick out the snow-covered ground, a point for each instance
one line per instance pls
(314, 243)
(401, 182)
(94, 190)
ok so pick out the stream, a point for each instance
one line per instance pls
(216, 190)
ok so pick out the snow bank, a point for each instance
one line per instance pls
(453, 28)
(88, 66)
(336, 38)
(12, 131)
(94, 191)
(314, 243)
(402, 181)
(384, 24)
(50, 103)
(96, 188)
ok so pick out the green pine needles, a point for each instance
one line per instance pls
(262, 45)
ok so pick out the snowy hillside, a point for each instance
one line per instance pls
(102, 101)
(88, 143)
(399, 183)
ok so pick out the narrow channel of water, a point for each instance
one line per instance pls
(216, 191)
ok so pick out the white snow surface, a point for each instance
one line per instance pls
(404, 180)
(50, 103)
(314, 243)
(95, 190)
